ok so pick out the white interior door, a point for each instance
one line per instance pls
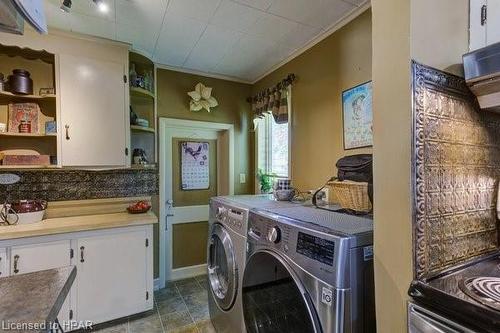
(172, 132)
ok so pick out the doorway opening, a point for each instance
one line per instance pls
(196, 162)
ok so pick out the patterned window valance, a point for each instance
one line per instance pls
(273, 100)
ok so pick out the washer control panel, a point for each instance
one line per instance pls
(321, 254)
(231, 217)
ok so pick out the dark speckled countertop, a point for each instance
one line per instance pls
(33, 299)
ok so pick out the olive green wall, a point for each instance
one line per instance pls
(173, 102)
(434, 33)
(339, 62)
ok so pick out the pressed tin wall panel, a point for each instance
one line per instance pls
(456, 170)
(58, 185)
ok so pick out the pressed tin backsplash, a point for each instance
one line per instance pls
(59, 185)
(456, 150)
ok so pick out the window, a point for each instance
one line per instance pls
(273, 146)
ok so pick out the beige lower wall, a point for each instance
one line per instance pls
(339, 62)
(189, 244)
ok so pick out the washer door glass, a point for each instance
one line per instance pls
(222, 270)
(272, 300)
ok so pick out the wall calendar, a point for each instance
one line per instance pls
(195, 171)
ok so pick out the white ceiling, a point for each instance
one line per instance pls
(242, 39)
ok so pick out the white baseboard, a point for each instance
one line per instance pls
(187, 272)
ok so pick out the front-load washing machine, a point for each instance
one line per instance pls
(308, 271)
(227, 256)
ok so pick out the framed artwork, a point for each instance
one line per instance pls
(195, 167)
(357, 116)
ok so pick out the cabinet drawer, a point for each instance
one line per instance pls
(4, 266)
(39, 257)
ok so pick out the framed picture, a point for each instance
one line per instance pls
(195, 165)
(357, 116)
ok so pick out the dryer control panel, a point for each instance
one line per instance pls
(232, 217)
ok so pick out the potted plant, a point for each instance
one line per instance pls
(265, 181)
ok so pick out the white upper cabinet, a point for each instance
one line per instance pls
(94, 116)
(484, 23)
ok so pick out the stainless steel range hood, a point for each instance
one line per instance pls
(482, 74)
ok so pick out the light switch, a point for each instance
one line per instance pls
(243, 178)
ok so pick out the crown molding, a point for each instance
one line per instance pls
(324, 34)
(201, 73)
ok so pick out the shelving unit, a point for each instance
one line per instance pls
(42, 68)
(142, 129)
(143, 104)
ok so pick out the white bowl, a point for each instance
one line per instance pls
(26, 218)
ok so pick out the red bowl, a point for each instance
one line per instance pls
(133, 210)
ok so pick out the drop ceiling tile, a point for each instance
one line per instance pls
(195, 9)
(272, 27)
(145, 13)
(300, 35)
(89, 8)
(259, 4)
(92, 26)
(211, 48)
(231, 15)
(319, 15)
(177, 38)
(142, 38)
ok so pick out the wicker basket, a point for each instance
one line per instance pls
(350, 195)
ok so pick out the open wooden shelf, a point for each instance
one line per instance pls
(28, 167)
(30, 135)
(7, 97)
(141, 93)
(142, 129)
(143, 166)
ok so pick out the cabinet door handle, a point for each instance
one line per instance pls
(67, 131)
(82, 248)
(16, 260)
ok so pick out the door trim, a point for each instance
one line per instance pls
(166, 125)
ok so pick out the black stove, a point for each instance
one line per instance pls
(469, 294)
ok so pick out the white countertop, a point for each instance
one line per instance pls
(62, 225)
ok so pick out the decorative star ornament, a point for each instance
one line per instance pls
(201, 98)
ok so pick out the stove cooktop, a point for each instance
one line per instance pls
(469, 293)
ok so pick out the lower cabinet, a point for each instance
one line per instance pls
(39, 257)
(112, 273)
(114, 277)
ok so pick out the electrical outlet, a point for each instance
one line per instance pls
(243, 178)
(9, 178)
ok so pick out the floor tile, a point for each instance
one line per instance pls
(185, 281)
(117, 328)
(185, 329)
(171, 305)
(205, 326)
(199, 313)
(201, 278)
(189, 288)
(176, 320)
(149, 323)
(167, 293)
(196, 299)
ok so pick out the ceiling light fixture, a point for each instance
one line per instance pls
(66, 6)
(103, 6)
